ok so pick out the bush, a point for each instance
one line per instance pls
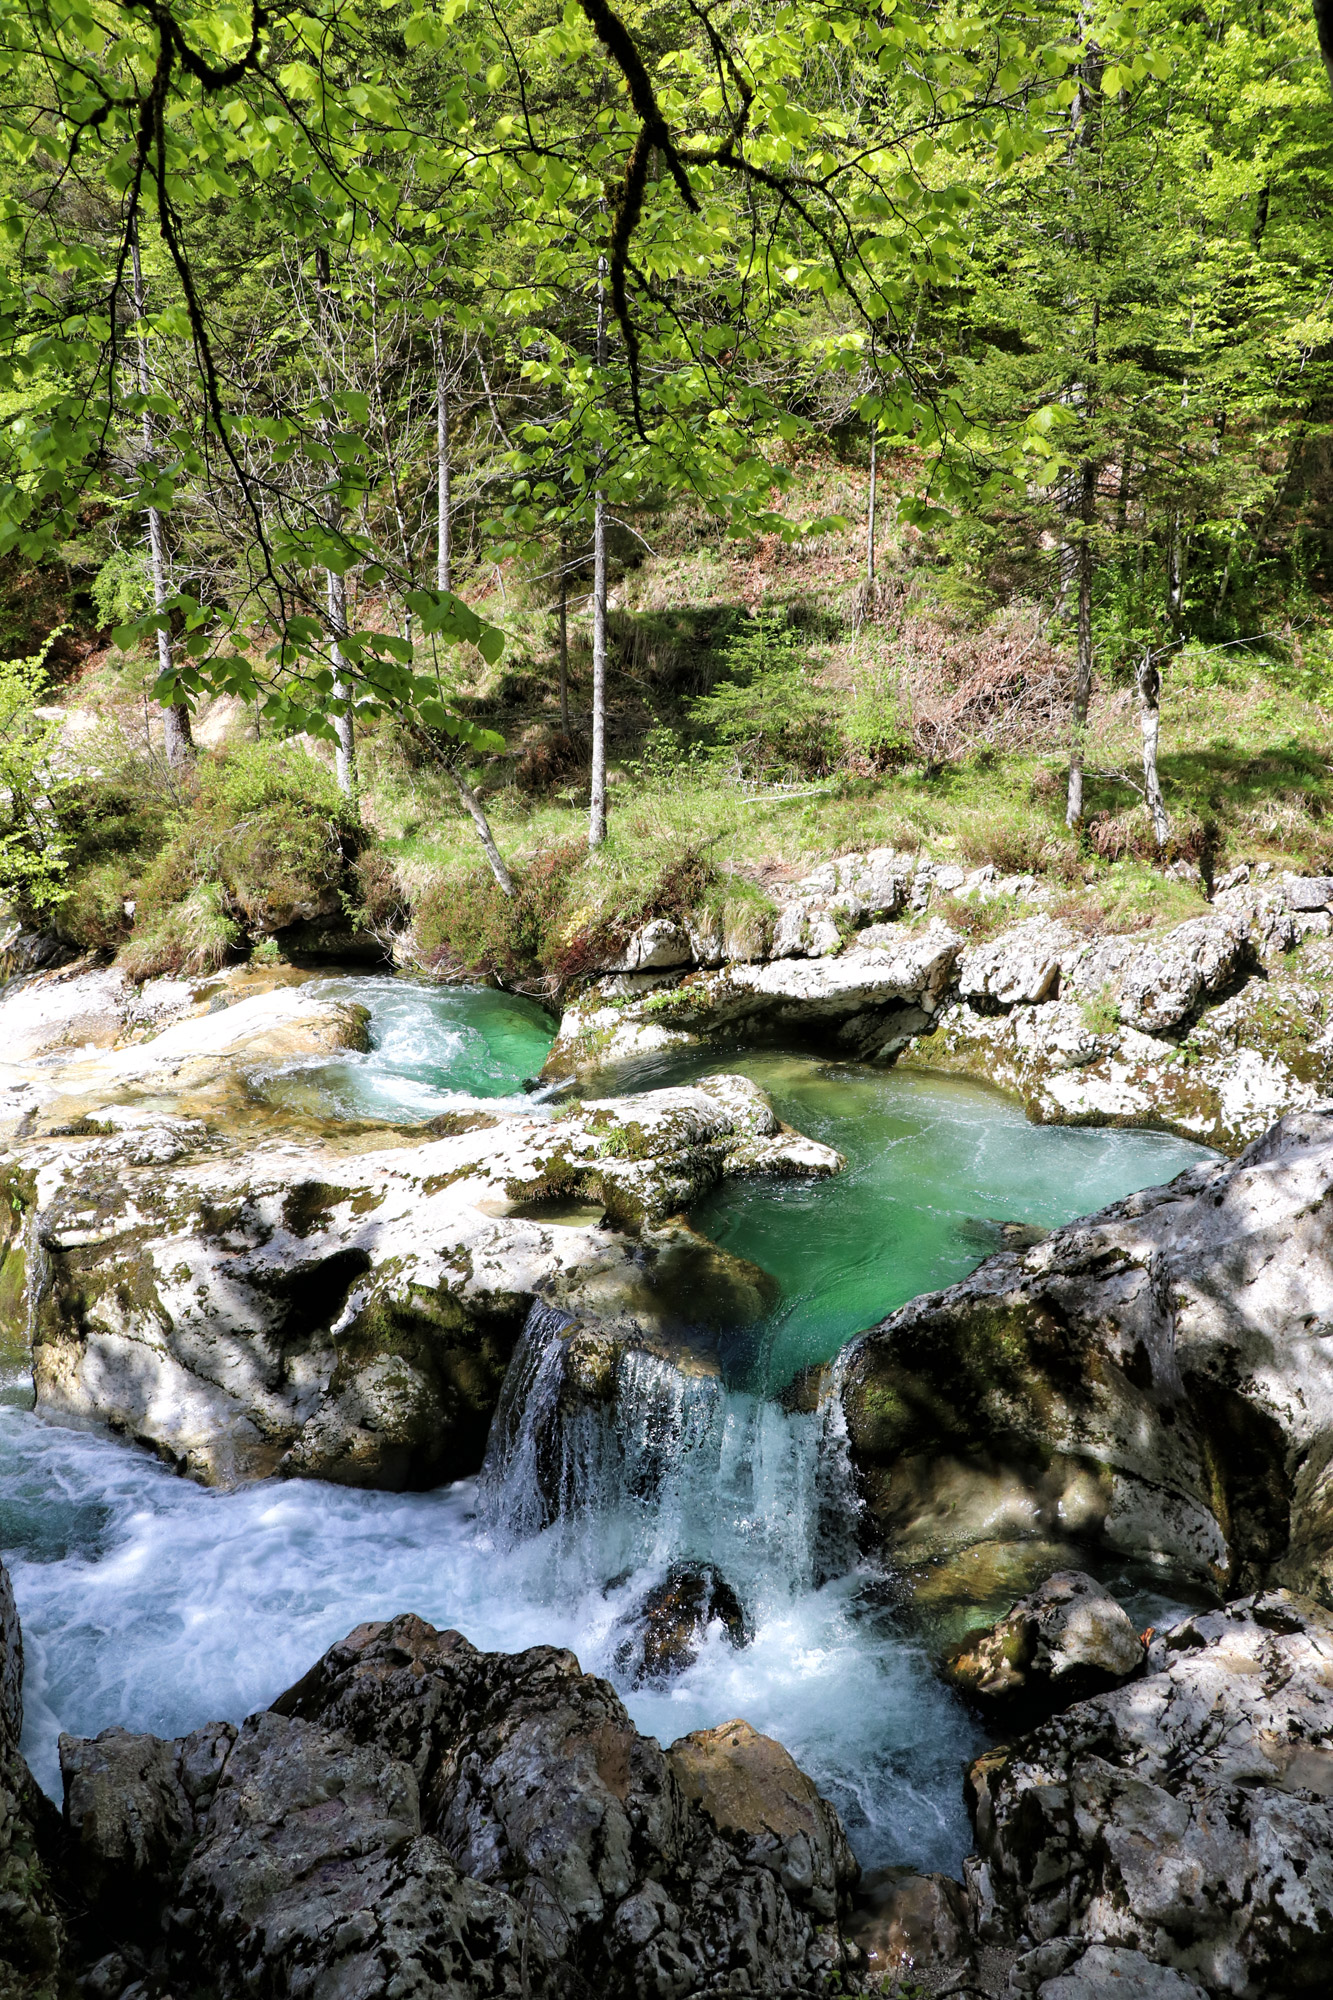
(194, 937)
(268, 826)
(92, 914)
(545, 937)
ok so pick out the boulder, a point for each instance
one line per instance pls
(1067, 1638)
(1158, 984)
(349, 1314)
(664, 1631)
(32, 1934)
(753, 1792)
(1187, 1818)
(1155, 1378)
(415, 1817)
(661, 944)
(1307, 892)
(1020, 967)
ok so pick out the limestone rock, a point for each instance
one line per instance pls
(415, 1818)
(1067, 1638)
(868, 1000)
(660, 944)
(1307, 892)
(1101, 1973)
(1188, 1817)
(198, 1064)
(347, 1314)
(1154, 1378)
(1021, 967)
(1158, 984)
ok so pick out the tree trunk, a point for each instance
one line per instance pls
(597, 806)
(1083, 678)
(564, 636)
(504, 879)
(443, 524)
(178, 741)
(1150, 717)
(1323, 16)
(1177, 557)
(343, 727)
(870, 525)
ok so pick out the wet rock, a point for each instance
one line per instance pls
(1188, 1817)
(415, 1817)
(751, 1790)
(1153, 1378)
(668, 1626)
(349, 1314)
(31, 1930)
(1067, 1639)
(905, 1924)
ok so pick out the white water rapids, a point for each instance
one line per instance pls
(151, 1603)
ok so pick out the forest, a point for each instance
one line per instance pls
(547, 456)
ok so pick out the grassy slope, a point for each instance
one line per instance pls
(977, 774)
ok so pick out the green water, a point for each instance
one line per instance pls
(430, 1046)
(934, 1164)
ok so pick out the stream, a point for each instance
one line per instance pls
(150, 1602)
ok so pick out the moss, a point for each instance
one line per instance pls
(13, 1304)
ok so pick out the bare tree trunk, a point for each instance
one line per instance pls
(597, 806)
(1176, 561)
(443, 521)
(1150, 718)
(870, 525)
(564, 635)
(1083, 677)
(343, 727)
(504, 879)
(177, 739)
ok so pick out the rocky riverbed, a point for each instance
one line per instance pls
(1211, 1029)
(248, 1288)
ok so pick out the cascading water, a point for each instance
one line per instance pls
(671, 1466)
(149, 1602)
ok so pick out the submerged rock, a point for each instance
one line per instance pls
(1187, 1818)
(666, 1629)
(1154, 1378)
(343, 1313)
(1068, 1638)
(416, 1817)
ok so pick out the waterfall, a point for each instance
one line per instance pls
(670, 1466)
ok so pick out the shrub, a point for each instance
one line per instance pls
(776, 718)
(92, 913)
(193, 937)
